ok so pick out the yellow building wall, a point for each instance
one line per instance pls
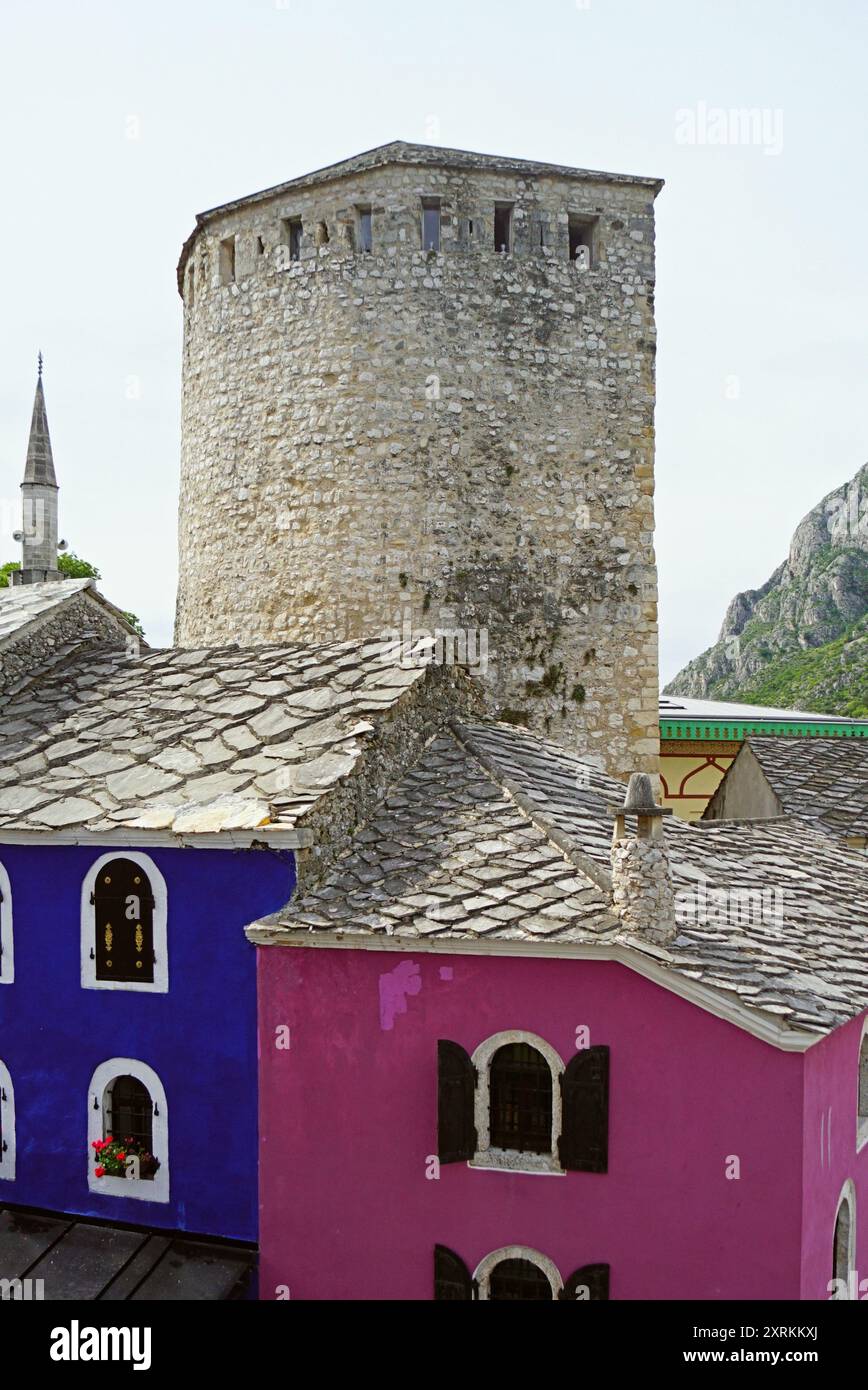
(691, 774)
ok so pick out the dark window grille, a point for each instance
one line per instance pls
(521, 1099)
(130, 1112)
(519, 1279)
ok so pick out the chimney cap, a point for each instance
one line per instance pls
(639, 799)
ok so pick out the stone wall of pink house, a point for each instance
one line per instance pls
(831, 1157)
(348, 1120)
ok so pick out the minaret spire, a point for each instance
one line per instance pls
(38, 535)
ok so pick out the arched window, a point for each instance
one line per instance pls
(7, 1125)
(518, 1103)
(514, 1105)
(7, 958)
(844, 1244)
(123, 925)
(520, 1082)
(862, 1107)
(127, 1109)
(517, 1273)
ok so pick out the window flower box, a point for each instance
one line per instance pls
(123, 1158)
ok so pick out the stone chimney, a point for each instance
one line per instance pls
(642, 891)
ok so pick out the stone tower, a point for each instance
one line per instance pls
(419, 395)
(38, 534)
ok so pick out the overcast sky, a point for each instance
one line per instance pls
(120, 121)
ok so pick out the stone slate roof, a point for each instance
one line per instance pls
(195, 741)
(25, 602)
(497, 836)
(437, 156)
(820, 780)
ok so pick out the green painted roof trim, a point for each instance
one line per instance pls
(722, 729)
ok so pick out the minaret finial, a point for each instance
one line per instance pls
(39, 360)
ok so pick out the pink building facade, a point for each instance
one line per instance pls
(727, 1156)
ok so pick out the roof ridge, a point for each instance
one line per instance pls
(559, 838)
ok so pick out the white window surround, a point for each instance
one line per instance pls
(514, 1160)
(861, 1120)
(7, 1106)
(155, 1189)
(160, 983)
(485, 1268)
(7, 955)
(848, 1195)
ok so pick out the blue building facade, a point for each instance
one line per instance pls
(189, 1038)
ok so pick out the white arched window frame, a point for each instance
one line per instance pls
(7, 953)
(155, 1189)
(7, 1124)
(862, 1090)
(160, 983)
(486, 1267)
(848, 1199)
(514, 1160)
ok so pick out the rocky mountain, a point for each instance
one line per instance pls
(801, 641)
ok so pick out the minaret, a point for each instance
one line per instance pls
(38, 536)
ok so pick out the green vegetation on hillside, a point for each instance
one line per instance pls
(832, 679)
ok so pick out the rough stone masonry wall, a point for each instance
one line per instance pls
(42, 641)
(460, 440)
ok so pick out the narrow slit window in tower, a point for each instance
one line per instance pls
(430, 224)
(227, 261)
(581, 240)
(503, 227)
(292, 229)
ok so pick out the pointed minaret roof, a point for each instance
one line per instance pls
(40, 463)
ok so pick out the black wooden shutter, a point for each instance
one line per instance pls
(583, 1145)
(456, 1085)
(452, 1279)
(124, 923)
(594, 1278)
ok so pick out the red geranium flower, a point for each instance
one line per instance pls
(99, 1170)
(121, 1157)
